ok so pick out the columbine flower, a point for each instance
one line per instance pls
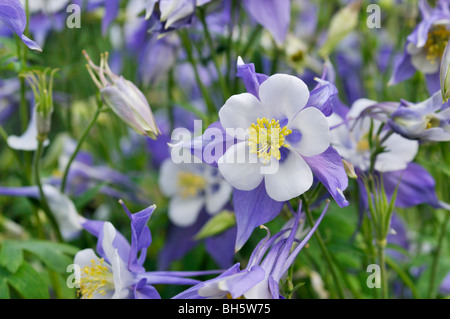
(425, 121)
(192, 187)
(267, 171)
(268, 263)
(350, 137)
(280, 131)
(13, 15)
(118, 272)
(425, 46)
(123, 97)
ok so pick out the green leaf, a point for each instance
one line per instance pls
(87, 196)
(28, 283)
(53, 255)
(4, 291)
(216, 225)
(11, 256)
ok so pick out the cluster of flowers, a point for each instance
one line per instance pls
(263, 149)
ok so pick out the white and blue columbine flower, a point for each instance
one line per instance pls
(425, 46)
(425, 121)
(273, 141)
(267, 265)
(118, 271)
(192, 187)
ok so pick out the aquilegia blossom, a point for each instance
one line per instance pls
(426, 121)
(118, 271)
(425, 46)
(268, 263)
(191, 187)
(123, 97)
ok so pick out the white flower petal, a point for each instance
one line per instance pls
(28, 140)
(240, 111)
(283, 96)
(240, 168)
(216, 200)
(313, 126)
(399, 152)
(83, 258)
(259, 291)
(293, 178)
(358, 106)
(183, 212)
(168, 178)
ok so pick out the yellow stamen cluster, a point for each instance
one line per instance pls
(363, 145)
(431, 122)
(437, 41)
(190, 184)
(96, 278)
(266, 138)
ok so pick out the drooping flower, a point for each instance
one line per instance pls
(425, 46)
(118, 271)
(425, 121)
(191, 188)
(123, 97)
(13, 15)
(260, 279)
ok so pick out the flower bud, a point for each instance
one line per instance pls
(123, 97)
(42, 86)
(445, 73)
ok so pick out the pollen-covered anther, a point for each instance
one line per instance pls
(437, 41)
(95, 279)
(266, 138)
(190, 184)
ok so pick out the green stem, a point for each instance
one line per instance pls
(222, 81)
(80, 142)
(437, 255)
(188, 47)
(43, 198)
(382, 263)
(324, 250)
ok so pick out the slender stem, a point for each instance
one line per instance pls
(80, 142)
(437, 255)
(43, 198)
(324, 249)
(382, 263)
(188, 47)
(222, 82)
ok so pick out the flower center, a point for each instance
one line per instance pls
(363, 146)
(431, 121)
(266, 138)
(436, 42)
(190, 184)
(96, 278)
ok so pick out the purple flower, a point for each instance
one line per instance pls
(13, 15)
(425, 121)
(425, 46)
(118, 271)
(268, 263)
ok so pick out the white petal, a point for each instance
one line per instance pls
(259, 291)
(313, 126)
(215, 201)
(293, 178)
(83, 258)
(423, 64)
(168, 178)
(283, 95)
(399, 152)
(240, 168)
(28, 140)
(358, 106)
(65, 212)
(240, 111)
(183, 212)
